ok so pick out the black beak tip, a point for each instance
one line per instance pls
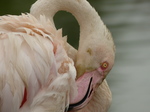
(72, 106)
(67, 109)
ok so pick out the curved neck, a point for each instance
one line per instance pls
(86, 16)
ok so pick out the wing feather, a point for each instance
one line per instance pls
(31, 55)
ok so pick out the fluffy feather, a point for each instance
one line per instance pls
(32, 56)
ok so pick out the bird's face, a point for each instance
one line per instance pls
(92, 68)
(99, 57)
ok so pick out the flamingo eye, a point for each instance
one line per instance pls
(104, 65)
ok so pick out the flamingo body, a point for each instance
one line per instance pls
(32, 57)
(41, 72)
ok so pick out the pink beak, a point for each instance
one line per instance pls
(86, 85)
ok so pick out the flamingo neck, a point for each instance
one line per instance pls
(86, 16)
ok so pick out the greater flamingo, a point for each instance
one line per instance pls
(96, 45)
(37, 70)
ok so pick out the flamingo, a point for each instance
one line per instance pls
(39, 73)
(96, 51)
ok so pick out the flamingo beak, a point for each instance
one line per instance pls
(86, 84)
(81, 70)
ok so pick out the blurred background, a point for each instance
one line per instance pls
(129, 22)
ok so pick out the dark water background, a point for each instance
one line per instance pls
(129, 22)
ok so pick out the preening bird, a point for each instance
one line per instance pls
(41, 72)
(94, 57)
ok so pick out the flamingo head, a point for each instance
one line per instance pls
(93, 64)
(100, 57)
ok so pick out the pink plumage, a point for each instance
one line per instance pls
(41, 72)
